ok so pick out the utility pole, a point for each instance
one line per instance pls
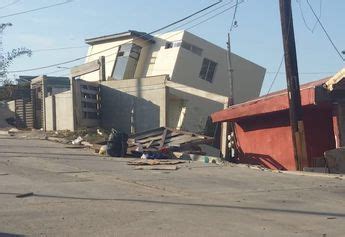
(229, 128)
(296, 113)
(230, 70)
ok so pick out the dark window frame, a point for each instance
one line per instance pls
(208, 70)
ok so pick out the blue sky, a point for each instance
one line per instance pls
(257, 37)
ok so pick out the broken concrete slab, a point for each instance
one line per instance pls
(336, 160)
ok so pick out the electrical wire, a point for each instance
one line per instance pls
(36, 9)
(58, 49)
(233, 21)
(325, 31)
(276, 74)
(195, 25)
(75, 47)
(102, 51)
(311, 29)
(10, 4)
(283, 56)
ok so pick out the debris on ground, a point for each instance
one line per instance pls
(156, 167)
(77, 141)
(197, 157)
(155, 162)
(103, 150)
(160, 143)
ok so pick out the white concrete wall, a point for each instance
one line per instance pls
(197, 110)
(64, 111)
(49, 112)
(110, 57)
(248, 77)
(165, 58)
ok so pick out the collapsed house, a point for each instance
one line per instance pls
(134, 82)
(172, 80)
(263, 132)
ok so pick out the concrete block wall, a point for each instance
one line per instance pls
(59, 112)
(134, 105)
(64, 111)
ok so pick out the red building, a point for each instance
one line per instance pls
(263, 130)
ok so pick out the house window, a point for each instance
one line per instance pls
(192, 48)
(126, 62)
(185, 45)
(208, 69)
(168, 45)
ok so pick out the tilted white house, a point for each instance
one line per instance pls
(175, 79)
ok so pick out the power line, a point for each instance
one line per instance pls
(188, 22)
(10, 4)
(325, 31)
(58, 49)
(233, 21)
(213, 16)
(37, 9)
(311, 29)
(276, 74)
(90, 55)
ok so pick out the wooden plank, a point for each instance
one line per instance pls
(155, 162)
(156, 167)
(162, 141)
(85, 68)
(149, 133)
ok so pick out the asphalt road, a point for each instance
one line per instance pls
(79, 194)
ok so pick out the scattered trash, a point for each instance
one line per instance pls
(103, 150)
(85, 143)
(99, 132)
(77, 141)
(197, 157)
(117, 144)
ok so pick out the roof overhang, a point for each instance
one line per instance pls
(119, 36)
(317, 92)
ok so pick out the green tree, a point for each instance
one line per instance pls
(7, 57)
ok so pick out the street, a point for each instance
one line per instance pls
(77, 193)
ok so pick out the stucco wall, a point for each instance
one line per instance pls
(63, 110)
(146, 96)
(197, 111)
(49, 112)
(248, 77)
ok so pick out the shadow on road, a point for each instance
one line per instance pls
(291, 211)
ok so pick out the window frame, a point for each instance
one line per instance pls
(208, 73)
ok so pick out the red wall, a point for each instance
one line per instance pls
(266, 139)
(318, 126)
